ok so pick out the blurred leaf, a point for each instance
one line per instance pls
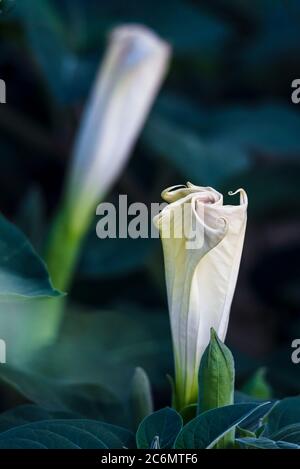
(242, 398)
(181, 111)
(105, 348)
(164, 424)
(224, 144)
(269, 51)
(30, 217)
(85, 400)
(140, 399)
(268, 128)
(22, 273)
(199, 30)
(192, 155)
(208, 428)
(257, 386)
(114, 256)
(92, 362)
(67, 74)
(279, 185)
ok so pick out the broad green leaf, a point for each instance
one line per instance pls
(290, 433)
(255, 425)
(164, 425)
(286, 412)
(89, 350)
(88, 400)
(27, 413)
(67, 434)
(20, 443)
(23, 275)
(264, 443)
(257, 386)
(90, 367)
(208, 428)
(188, 413)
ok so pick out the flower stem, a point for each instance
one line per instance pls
(61, 256)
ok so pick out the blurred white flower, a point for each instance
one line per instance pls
(130, 76)
(200, 278)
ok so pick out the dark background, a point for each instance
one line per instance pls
(224, 117)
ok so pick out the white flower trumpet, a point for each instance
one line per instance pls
(130, 76)
(200, 276)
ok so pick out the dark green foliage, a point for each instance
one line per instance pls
(225, 118)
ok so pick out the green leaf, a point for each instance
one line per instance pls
(255, 425)
(264, 443)
(89, 369)
(31, 217)
(23, 274)
(89, 349)
(27, 413)
(286, 412)
(89, 400)
(290, 433)
(216, 380)
(189, 412)
(164, 424)
(279, 201)
(208, 428)
(213, 161)
(109, 257)
(67, 434)
(257, 386)
(261, 430)
(67, 74)
(267, 128)
(141, 403)
(244, 433)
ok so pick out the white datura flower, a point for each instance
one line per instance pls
(202, 243)
(129, 79)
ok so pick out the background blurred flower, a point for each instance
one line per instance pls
(129, 79)
(200, 281)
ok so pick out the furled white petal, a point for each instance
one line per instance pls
(130, 76)
(200, 278)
